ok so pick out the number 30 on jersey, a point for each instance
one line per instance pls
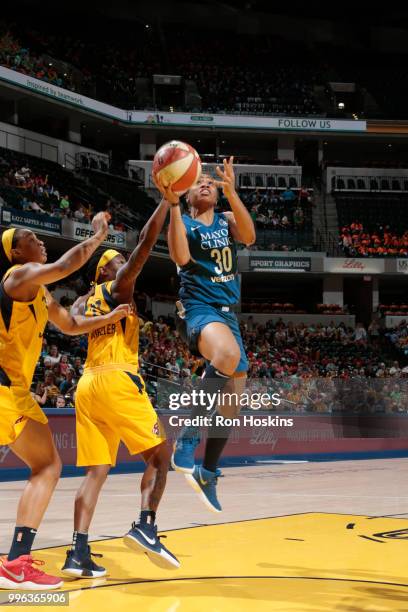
(223, 260)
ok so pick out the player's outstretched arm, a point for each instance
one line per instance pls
(124, 284)
(78, 324)
(31, 275)
(240, 221)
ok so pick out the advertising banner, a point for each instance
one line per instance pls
(402, 266)
(33, 221)
(351, 265)
(275, 263)
(82, 231)
(306, 124)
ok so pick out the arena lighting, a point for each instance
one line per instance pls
(340, 105)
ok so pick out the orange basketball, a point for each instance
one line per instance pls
(177, 164)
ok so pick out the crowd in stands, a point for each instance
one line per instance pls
(396, 309)
(229, 80)
(279, 210)
(277, 77)
(18, 57)
(399, 337)
(356, 241)
(43, 187)
(293, 356)
(373, 225)
(271, 307)
(283, 219)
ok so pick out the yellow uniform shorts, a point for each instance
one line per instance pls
(17, 406)
(112, 406)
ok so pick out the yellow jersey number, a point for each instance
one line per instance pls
(223, 260)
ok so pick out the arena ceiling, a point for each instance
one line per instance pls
(139, 11)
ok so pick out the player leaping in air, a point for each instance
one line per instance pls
(113, 406)
(203, 245)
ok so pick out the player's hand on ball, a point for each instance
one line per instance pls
(100, 224)
(228, 177)
(120, 312)
(166, 192)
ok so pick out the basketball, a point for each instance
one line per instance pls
(177, 164)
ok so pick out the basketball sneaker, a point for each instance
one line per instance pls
(204, 483)
(182, 459)
(22, 574)
(82, 567)
(143, 538)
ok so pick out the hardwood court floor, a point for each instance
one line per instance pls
(326, 544)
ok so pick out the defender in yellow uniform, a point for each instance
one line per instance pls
(112, 406)
(21, 330)
(25, 307)
(111, 401)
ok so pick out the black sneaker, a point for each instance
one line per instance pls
(144, 538)
(82, 568)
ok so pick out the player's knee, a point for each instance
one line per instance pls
(97, 474)
(50, 471)
(161, 455)
(228, 359)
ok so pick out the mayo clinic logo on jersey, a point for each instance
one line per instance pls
(216, 239)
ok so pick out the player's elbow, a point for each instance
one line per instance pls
(181, 259)
(249, 239)
(70, 327)
(180, 256)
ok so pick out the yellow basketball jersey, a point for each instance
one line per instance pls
(115, 343)
(22, 327)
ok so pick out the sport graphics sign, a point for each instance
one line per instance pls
(275, 263)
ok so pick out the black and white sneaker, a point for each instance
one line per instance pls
(82, 568)
(143, 538)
